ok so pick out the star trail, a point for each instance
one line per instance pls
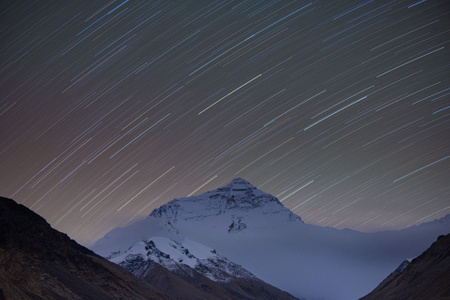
(109, 109)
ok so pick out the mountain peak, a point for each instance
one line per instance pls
(240, 182)
(235, 200)
(239, 186)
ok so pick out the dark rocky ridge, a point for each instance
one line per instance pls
(426, 277)
(38, 262)
(175, 284)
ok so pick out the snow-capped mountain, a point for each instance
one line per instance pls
(254, 230)
(174, 256)
(198, 266)
(233, 208)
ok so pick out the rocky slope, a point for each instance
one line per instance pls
(177, 283)
(426, 277)
(38, 262)
(200, 267)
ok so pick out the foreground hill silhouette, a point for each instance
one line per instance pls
(426, 277)
(39, 262)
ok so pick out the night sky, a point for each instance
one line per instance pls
(109, 109)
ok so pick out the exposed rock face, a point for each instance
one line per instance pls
(426, 277)
(237, 225)
(38, 262)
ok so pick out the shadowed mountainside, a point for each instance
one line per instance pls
(175, 284)
(38, 262)
(426, 277)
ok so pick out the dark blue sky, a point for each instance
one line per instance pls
(109, 109)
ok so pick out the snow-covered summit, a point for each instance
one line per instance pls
(238, 200)
(239, 185)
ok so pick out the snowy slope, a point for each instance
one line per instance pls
(173, 255)
(253, 229)
(231, 208)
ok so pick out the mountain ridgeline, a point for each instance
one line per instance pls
(38, 262)
(425, 277)
(237, 198)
